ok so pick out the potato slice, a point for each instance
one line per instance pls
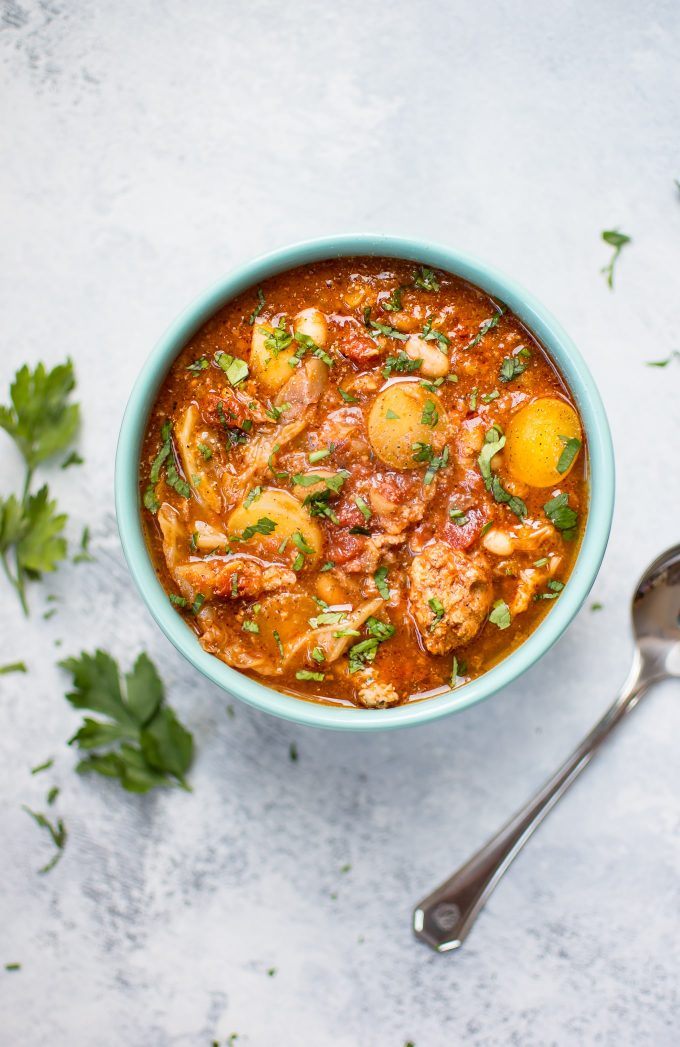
(289, 517)
(399, 418)
(534, 441)
(272, 369)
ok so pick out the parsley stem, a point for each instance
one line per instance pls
(16, 583)
(27, 481)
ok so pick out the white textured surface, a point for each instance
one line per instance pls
(148, 147)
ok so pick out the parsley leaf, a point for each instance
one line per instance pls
(430, 416)
(199, 365)
(146, 744)
(389, 332)
(393, 303)
(347, 397)
(511, 368)
(305, 674)
(495, 442)
(675, 355)
(429, 334)
(438, 610)
(263, 526)
(13, 667)
(41, 421)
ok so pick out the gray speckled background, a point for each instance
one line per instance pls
(147, 147)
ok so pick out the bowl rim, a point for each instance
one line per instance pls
(561, 349)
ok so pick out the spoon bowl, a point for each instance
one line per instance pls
(656, 615)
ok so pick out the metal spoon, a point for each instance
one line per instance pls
(445, 917)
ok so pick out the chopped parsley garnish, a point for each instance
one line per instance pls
(307, 674)
(473, 399)
(459, 517)
(263, 526)
(275, 413)
(555, 588)
(276, 636)
(347, 397)
(235, 369)
(500, 615)
(318, 655)
(596, 606)
(363, 507)
(318, 456)
(278, 339)
(205, 451)
(380, 579)
(495, 442)
(486, 528)
(177, 482)
(199, 365)
(72, 459)
(84, 555)
(542, 562)
(425, 453)
(488, 398)
(44, 766)
(258, 308)
(400, 364)
(572, 446)
(234, 584)
(140, 742)
(429, 334)
(252, 496)
(199, 600)
(13, 667)
(308, 345)
(387, 331)
(193, 542)
(562, 516)
(618, 241)
(250, 627)
(393, 303)
(513, 366)
(675, 355)
(458, 669)
(365, 651)
(359, 530)
(484, 328)
(430, 416)
(177, 601)
(57, 832)
(391, 415)
(301, 544)
(327, 618)
(425, 280)
(328, 566)
(279, 474)
(438, 610)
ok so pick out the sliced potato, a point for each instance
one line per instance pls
(270, 368)
(399, 419)
(289, 516)
(312, 322)
(198, 473)
(534, 443)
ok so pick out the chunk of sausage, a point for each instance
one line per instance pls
(442, 577)
(234, 579)
(374, 693)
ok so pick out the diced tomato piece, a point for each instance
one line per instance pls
(357, 346)
(462, 537)
(225, 409)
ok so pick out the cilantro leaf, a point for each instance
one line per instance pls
(572, 446)
(500, 615)
(562, 516)
(41, 421)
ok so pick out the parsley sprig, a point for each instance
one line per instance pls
(140, 742)
(43, 423)
(618, 241)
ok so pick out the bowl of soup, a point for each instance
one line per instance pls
(364, 482)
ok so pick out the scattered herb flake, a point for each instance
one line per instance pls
(500, 615)
(618, 241)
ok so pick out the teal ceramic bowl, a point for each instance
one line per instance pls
(563, 352)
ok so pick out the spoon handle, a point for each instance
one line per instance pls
(444, 918)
